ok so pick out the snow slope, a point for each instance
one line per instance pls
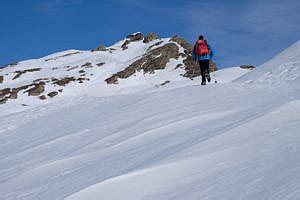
(283, 68)
(182, 141)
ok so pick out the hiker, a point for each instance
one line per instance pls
(202, 54)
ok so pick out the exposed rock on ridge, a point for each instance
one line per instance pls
(157, 58)
(153, 60)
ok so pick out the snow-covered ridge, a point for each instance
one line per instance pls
(131, 63)
(283, 68)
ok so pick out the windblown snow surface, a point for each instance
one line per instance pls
(238, 139)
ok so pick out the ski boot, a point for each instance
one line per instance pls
(208, 77)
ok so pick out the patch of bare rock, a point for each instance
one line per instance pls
(52, 94)
(150, 37)
(132, 38)
(100, 48)
(19, 73)
(153, 60)
(247, 67)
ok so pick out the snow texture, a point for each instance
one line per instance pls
(139, 141)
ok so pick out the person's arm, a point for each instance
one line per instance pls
(194, 53)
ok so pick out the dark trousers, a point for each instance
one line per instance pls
(204, 66)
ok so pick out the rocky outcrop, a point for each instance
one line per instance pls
(4, 95)
(1, 79)
(13, 94)
(72, 68)
(155, 45)
(188, 47)
(150, 37)
(43, 97)
(100, 64)
(63, 81)
(19, 73)
(132, 38)
(52, 94)
(36, 90)
(100, 48)
(4, 92)
(247, 67)
(124, 45)
(3, 100)
(157, 58)
(135, 37)
(87, 65)
(154, 60)
(165, 83)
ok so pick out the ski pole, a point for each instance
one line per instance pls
(215, 77)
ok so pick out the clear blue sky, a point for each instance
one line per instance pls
(241, 32)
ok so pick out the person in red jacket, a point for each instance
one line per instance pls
(203, 53)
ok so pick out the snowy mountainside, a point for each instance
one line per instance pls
(132, 62)
(139, 140)
(283, 68)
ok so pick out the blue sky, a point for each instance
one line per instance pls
(241, 32)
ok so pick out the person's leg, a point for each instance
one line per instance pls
(202, 68)
(207, 70)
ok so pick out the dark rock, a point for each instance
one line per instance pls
(1, 79)
(81, 80)
(75, 67)
(4, 92)
(36, 90)
(17, 76)
(19, 73)
(100, 48)
(100, 64)
(87, 65)
(135, 37)
(247, 67)
(164, 83)
(13, 94)
(60, 90)
(52, 94)
(150, 37)
(22, 88)
(124, 45)
(182, 43)
(154, 60)
(156, 44)
(3, 101)
(178, 66)
(43, 97)
(63, 81)
(132, 38)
